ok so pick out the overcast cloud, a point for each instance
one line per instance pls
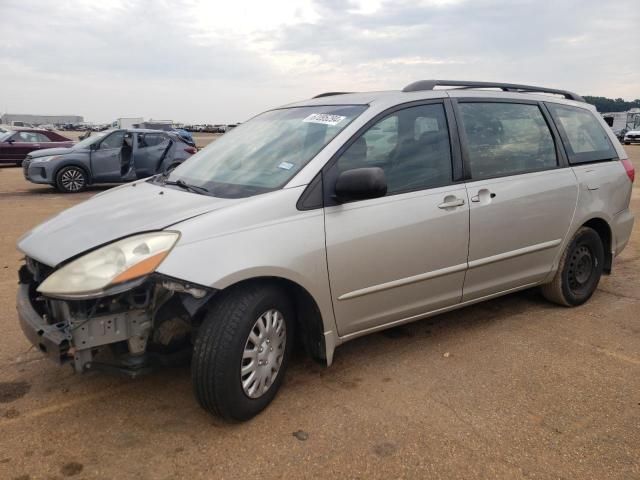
(222, 62)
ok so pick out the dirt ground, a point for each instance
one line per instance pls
(512, 388)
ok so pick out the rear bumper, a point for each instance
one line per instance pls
(53, 340)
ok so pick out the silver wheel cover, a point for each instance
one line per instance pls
(263, 353)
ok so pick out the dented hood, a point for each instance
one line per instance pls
(111, 215)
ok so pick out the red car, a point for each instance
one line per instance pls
(16, 144)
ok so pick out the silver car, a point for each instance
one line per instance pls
(112, 156)
(325, 220)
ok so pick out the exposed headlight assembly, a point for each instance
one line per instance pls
(109, 266)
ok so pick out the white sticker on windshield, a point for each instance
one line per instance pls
(324, 118)
(286, 166)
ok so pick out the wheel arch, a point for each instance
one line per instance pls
(603, 229)
(309, 321)
(72, 163)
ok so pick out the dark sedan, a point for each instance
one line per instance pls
(16, 144)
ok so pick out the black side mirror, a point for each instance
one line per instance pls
(94, 146)
(361, 184)
(11, 141)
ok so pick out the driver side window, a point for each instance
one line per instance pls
(411, 146)
(112, 141)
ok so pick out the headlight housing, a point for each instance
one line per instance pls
(44, 159)
(114, 264)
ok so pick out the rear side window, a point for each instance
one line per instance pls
(151, 140)
(506, 139)
(582, 134)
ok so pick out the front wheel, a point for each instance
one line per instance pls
(242, 350)
(579, 270)
(71, 179)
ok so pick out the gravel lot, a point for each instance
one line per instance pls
(512, 388)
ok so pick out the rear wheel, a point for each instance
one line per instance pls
(579, 270)
(627, 143)
(242, 351)
(71, 179)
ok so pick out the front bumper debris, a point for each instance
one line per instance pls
(155, 314)
(53, 340)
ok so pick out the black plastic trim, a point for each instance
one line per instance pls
(312, 197)
(330, 94)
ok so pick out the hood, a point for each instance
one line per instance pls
(46, 152)
(633, 132)
(127, 210)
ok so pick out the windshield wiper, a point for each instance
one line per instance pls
(186, 186)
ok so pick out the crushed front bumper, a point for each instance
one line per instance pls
(155, 311)
(53, 340)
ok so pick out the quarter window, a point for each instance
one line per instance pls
(151, 140)
(583, 135)
(410, 145)
(506, 139)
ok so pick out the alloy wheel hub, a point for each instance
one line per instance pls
(73, 180)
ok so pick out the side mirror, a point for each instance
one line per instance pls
(361, 184)
(11, 141)
(94, 146)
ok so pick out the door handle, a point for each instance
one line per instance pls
(591, 186)
(451, 202)
(483, 195)
(36, 144)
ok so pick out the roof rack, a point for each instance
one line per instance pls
(506, 87)
(330, 94)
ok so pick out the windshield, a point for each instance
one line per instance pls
(93, 138)
(264, 153)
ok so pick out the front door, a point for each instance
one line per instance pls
(106, 160)
(405, 254)
(522, 195)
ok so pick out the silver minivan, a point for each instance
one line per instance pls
(325, 220)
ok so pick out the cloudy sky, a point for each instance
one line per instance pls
(221, 62)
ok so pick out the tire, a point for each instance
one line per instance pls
(627, 143)
(71, 179)
(223, 340)
(579, 270)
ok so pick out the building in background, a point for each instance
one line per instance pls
(9, 118)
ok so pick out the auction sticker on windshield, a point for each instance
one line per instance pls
(324, 118)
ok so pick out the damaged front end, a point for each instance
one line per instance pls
(129, 329)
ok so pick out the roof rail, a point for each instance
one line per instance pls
(330, 94)
(507, 87)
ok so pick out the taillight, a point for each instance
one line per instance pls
(191, 150)
(628, 167)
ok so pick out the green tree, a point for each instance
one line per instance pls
(604, 104)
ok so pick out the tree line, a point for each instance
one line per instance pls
(604, 104)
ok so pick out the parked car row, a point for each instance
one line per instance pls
(207, 128)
